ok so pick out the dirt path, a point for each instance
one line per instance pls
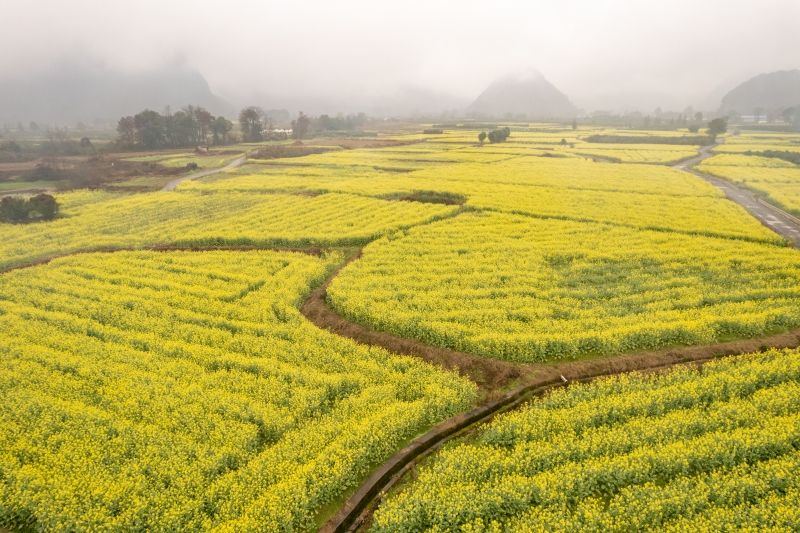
(775, 219)
(174, 183)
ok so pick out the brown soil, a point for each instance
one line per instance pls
(351, 144)
(431, 199)
(399, 170)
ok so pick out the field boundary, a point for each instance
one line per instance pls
(777, 209)
(311, 250)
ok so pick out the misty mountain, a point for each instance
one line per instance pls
(774, 91)
(530, 94)
(73, 92)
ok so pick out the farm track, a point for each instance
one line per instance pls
(172, 185)
(775, 219)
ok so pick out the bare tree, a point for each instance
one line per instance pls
(54, 147)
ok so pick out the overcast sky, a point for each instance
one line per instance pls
(613, 54)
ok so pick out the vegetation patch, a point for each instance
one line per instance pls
(785, 155)
(700, 140)
(285, 151)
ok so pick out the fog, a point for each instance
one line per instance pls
(345, 55)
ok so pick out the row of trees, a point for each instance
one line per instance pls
(190, 126)
(495, 136)
(258, 125)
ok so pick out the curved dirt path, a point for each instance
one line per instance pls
(772, 217)
(233, 164)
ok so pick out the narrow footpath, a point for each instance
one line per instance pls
(174, 183)
(772, 217)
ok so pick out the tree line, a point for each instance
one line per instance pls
(191, 126)
(258, 125)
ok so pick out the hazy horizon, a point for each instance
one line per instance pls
(345, 56)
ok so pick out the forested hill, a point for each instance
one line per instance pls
(773, 91)
(527, 94)
(73, 92)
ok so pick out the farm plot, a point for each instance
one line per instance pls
(183, 391)
(777, 180)
(684, 451)
(215, 219)
(526, 289)
(636, 153)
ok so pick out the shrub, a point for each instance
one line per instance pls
(14, 209)
(43, 206)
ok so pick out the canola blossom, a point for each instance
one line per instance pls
(688, 450)
(526, 289)
(183, 391)
(213, 219)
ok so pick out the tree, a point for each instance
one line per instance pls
(300, 126)
(54, 148)
(126, 131)
(698, 116)
(13, 209)
(220, 127)
(250, 123)
(757, 112)
(33, 126)
(482, 136)
(324, 122)
(575, 124)
(563, 142)
(203, 119)
(717, 126)
(149, 127)
(80, 126)
(43, 206)
(20, 128)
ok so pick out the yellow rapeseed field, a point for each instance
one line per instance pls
(183, 391)
(684, 451)
(527, 289)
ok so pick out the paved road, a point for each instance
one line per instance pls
(174, 183)
(772, 217)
